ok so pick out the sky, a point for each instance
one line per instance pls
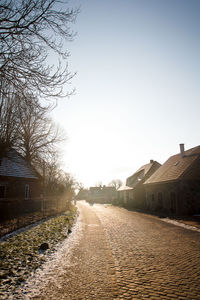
(137, 86)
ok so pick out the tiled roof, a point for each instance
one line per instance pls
(145, 168)
(175, 167)
(14, 165)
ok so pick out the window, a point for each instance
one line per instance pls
(2, 191)
(27, 191)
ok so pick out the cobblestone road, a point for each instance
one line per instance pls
(127, 255)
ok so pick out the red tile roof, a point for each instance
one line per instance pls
(175, 167)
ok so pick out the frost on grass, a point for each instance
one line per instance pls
(53, 268)
(20, 255)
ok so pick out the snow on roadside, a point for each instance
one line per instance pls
(52, 268)
(181, 224)
(20, 255)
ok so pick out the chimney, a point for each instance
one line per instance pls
(182, 150)
(151, 161)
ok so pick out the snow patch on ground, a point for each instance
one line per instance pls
(54, 266)
(174, 222)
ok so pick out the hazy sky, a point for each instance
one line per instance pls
(137, 87)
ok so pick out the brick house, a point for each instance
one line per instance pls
(19, 183)
(175, 187)
(133, 193)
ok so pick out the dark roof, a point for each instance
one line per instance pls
(14, 165)
(95, 188)
(175, 167)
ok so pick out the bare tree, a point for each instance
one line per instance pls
(37, 135)
(116, 183)
(26, 126)
(58, 182)
(28, 31)
(8, 123)
(79, 186)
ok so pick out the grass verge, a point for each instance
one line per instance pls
(20, 255)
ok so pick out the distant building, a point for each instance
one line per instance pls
(109, 194)
(82, 194)
(105, 194)
(175, 186)
(133, 194)
(125, 194)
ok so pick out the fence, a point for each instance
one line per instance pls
(16, 207)
(17, 213)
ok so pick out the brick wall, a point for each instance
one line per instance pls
(174, 198)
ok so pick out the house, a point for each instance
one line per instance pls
(18, 179)
(105, 194)
(175, 186)
(82, 194)
(109, 194)
(133, 193)
(125, 193)
(95, 194)
(19, 182)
